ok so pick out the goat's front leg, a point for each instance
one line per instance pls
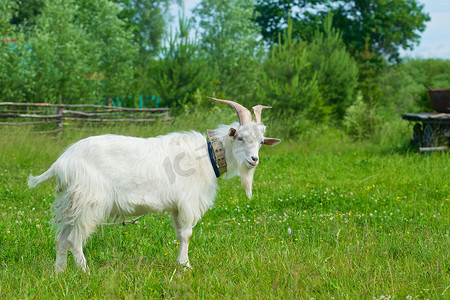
(184, 236)
(184, 232)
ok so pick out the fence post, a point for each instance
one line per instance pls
(59, 122)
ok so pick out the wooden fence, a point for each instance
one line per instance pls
(53, 118)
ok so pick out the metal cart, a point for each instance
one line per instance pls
(431, 131)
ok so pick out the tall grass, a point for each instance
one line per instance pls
(330, 217)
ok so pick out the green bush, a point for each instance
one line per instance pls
(361, 120)
(403, 85)
(15, 79)
(75, 51)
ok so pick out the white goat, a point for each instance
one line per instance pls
(111, 176)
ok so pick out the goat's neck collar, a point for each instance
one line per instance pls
(216, 154)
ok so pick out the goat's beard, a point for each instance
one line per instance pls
(247, 179)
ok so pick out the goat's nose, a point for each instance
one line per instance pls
(255, 158)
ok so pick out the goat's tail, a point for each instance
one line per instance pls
(33, 181)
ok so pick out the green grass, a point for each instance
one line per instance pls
(329, 218)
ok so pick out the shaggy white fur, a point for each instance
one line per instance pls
(112, 176)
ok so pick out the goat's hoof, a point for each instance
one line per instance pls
(59, 268)
(86, 270)
(185, 266)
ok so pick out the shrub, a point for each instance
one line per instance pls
(403, 84)
(72, 52)
(361, 120)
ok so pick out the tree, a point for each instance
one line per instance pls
(26, 12)
(7, 9)
(403, 84)
(81, 52)
(16, 80)
(380, 26)
(317, 78)
(113, 43)
(182, 71)
(288, 82)
(231, 44)
(147, 19)
(64, 56)
(337, 71)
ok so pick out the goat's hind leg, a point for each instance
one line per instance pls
(75, 241)
(77, 251)
(69, 238)
(62, 245)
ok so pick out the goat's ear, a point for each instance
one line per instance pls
(232, 132)
(271, 141)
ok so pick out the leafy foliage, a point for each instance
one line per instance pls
(16, 81)
(62, 66)
(77, 51)
(386, 26)
(229, 40)
(83, 51)
(147, 19)
(26, 12)
(182, 71)
(286, 82)
(337, 72)
(361, 120)
(373, 31)
(317, 78)
(6, 14)
(403, 85)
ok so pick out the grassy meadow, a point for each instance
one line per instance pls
(331, 218)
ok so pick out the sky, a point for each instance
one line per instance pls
(435, 40)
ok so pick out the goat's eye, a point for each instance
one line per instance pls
(240, 139)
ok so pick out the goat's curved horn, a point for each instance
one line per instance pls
(244, 115)
(257, 111)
